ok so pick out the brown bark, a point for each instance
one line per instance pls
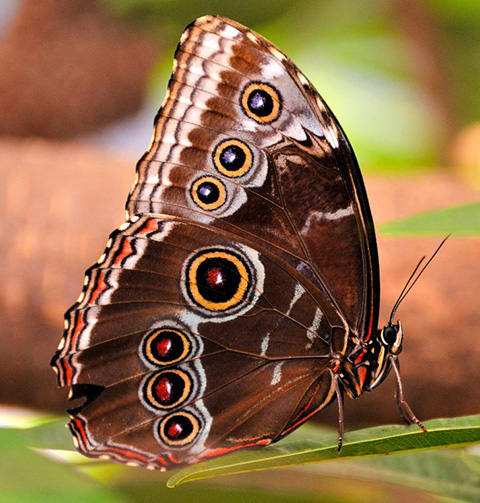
(68, 67)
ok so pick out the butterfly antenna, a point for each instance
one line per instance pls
(397, 303)
(409, 284)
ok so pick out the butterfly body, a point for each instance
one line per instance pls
(241, 295)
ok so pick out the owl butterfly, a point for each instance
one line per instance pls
(242, 294)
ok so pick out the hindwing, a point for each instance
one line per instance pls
(177, 318)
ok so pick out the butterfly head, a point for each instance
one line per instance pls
(391, 337)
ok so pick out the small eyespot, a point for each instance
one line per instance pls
(209, 193)
(165, 346)
(178, 429)
(217, 280)
(232, 158)
(166, 389)
(261, 102)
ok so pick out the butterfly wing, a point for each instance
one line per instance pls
(248, 259)
(174, 368)
(288, 179)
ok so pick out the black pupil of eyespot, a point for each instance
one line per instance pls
(260, 103)
(208, 192)
(168, 388)
(217, 279)
(178, 427)
(233, 158)
(390, 335)
(167, 346)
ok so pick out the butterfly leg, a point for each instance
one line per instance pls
(341, 424)
(405, 410)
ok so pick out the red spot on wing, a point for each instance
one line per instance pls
(173, 459)
(79, 327)
(301, 421)
(163, 390)
(129, 454)
(215, 277)
(151, 225)
(101, 287)
(305, 408)
(125, 252)
(225, 450)
(68, 372)
(80, 429)
(164, 346)
(174, 430)
(161, 460)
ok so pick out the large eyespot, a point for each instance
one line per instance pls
(261, 102)
(217, 279)
(208, 192)
(165, 346)
(232, 158)
(178, 429)
(166, 389)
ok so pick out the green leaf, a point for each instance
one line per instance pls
(461, 220)
(50, 435)
(25, 476)
(63, 474)
(449, 473)
(306, 446)
(18, 418)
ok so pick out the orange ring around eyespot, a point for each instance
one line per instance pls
(150, 397)
(220, 186)
(148, 349)
(236, 298)
(272, 92)
(195, 429)
(240, 171)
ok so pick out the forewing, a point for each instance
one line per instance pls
(300, 192)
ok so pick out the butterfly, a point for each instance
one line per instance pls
(241, 296)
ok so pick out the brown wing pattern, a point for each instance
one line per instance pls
(248, 259)
(303, 195)
(138, 296)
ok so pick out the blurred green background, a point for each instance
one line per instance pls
(402, 75)
(80, 83)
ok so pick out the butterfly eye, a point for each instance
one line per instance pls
(208, 193)
(232, 158)
(165, 346)
(389, 335)
(166, 389)
(261, 102)
(217, 280)
(178, 429)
